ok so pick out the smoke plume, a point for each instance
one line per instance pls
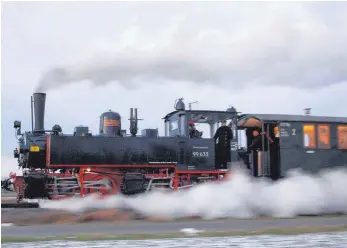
(240, 197)
(273, 44)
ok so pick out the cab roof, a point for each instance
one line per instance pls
(203, 116)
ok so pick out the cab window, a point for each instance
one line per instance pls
(342, 137)
(324, 136)
(309, 136)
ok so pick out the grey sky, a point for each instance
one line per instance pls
(260, 57)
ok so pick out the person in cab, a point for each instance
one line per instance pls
(193, 132)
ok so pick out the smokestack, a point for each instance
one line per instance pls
(39, 111)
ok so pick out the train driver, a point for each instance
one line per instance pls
(223, 137)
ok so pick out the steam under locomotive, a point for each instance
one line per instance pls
(58, 165)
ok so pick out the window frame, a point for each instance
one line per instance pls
(337, 136)
(315, 135)
(318, 136)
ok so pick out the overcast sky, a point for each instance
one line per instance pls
(90, 57)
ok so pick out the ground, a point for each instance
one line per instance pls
(103, 224)
(47, 224)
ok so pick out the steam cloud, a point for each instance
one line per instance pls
(274, 44)
(240, 197)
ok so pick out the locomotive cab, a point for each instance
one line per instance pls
(178, 122)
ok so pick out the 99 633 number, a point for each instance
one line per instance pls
(200, 154)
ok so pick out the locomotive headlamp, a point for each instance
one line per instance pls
(34, 148)
(88, 169)
(16, 124)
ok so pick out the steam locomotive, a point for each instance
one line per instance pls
(57, 165)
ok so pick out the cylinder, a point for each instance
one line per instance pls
(110, 124)
(39, 111)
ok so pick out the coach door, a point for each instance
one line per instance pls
(269, 156)
(264, 160)
(254, 156)
(259, 156)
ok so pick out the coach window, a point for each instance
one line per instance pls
(276, 132)
(342, 137)
(324, 136)
(309, 136)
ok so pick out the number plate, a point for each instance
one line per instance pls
(200, 154)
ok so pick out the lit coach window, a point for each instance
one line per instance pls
(342, 137)
(324, 136)
(276, 132)
(309, 136)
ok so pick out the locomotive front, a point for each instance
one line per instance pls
(31, 151)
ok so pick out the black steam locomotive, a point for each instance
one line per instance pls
(42, 151)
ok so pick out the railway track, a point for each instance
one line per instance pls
(9, 200)
(20, 205)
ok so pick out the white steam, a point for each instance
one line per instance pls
(241, 197)
(242, 44)
(8, 165)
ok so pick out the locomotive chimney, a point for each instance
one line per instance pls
(39, 111)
